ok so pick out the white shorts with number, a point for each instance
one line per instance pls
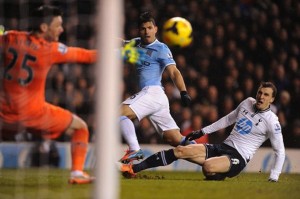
(153, 103)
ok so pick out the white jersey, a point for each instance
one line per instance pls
(252, 128)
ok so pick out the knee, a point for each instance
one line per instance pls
(180, 151)
(78, 123)
(208, 167)
(83, 125)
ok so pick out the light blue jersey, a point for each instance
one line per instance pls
(157, 57)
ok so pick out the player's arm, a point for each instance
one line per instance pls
(276, 140)
(222, 123)
(64, 54)
(225, 121)
(177, 79)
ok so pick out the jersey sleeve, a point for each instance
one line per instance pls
(64, 54)
(277, 143)
(165, 57)
(222, 123)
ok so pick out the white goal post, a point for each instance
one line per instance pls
(108, 73)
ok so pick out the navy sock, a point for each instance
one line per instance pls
(161, 158)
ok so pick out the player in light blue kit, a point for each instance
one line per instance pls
(254, 124)
(152, 101)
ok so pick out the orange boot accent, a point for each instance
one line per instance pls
(79, 145)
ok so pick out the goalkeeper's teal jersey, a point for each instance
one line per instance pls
(150, 68)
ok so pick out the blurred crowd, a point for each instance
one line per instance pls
(237, 44)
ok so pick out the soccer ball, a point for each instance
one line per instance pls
(177, 31)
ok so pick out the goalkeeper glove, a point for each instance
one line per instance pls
(132, 54)
(194, 135)
(185, 98)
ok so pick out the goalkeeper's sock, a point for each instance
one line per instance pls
(128, 131)
(161, 158)
(79, 145)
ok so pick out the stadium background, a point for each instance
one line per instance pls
(237, 44)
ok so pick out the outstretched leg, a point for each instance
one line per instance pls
(161, 158)
(194, 153)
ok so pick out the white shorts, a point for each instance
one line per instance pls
(153, 103)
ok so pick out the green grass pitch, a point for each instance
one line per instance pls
(52, 183)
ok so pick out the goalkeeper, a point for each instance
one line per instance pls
(254, 124)
(27, 58)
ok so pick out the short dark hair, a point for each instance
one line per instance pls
(44, 14)
(146, 17)
(269, 85)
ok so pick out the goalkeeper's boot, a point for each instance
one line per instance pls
(127, 170)
(81, 178)
(131, 156)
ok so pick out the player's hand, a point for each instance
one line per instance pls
(194, 135)
(132, 54)
(272, 180)
(185, 98)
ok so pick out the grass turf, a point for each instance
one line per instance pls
(52, 183)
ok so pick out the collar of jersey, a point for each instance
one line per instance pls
(259, 111)
(148, 44)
